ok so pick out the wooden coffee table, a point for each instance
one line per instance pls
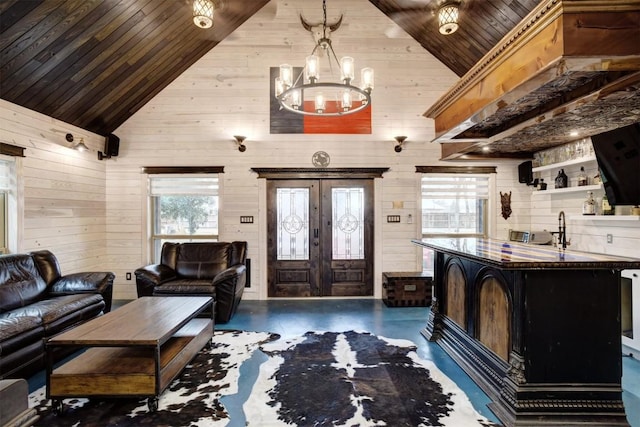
(134, 351)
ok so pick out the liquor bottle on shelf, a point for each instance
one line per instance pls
(561, 179)
(542, 185)
(607, 209)
(589, 205)
(582, 177)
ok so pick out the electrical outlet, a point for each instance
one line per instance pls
(609, 238)
(128, 276)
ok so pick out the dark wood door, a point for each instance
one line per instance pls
(320, 237)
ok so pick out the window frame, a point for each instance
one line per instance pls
(156, 240)
(488, 224)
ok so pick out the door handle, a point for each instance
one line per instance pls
(315, 233)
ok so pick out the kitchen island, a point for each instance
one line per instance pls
(536, 327)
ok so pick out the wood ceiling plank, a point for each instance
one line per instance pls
(95, 61)
(19, 81)
(13, 15)
(142, 63)
(102, 79)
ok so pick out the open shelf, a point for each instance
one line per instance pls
(565, 163)
(608, 218)
(593, 187)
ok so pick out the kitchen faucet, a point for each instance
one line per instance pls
(562, 230)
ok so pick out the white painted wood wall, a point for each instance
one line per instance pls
(63, 190)
(91, 213)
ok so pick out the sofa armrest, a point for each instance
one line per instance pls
(150, 276)
(89, 283)
(229, 285)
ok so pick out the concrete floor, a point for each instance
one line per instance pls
(295, 317)
(291, 318)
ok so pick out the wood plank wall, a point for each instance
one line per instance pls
(64, 190)
(227, 93)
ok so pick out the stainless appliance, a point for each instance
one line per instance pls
(543, 237)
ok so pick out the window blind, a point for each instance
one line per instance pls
(164, 185)
(455, 186)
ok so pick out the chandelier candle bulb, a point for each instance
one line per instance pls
(347, 68)
(296, 99)
(345, 102)
(279, 86)
(366, 77)
(286, 76)
(320, 103)
(312, 69)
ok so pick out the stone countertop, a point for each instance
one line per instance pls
(516, 255)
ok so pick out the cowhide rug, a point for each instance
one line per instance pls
(320, 379)
(354, 379)
(191, 400)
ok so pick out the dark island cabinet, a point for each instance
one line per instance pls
(538, 329)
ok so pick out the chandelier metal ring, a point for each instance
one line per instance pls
(364, 94)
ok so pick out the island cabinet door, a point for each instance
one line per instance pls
(493, 314)
(569, 336)
(478, 300)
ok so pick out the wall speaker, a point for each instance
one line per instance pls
(112, 145)
(525, 174)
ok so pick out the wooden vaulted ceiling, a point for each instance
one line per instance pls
(94, 63)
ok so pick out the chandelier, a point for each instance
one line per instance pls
(203, 13)
(448, 18)
(308, 95)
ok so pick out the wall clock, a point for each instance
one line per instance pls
(320, 159)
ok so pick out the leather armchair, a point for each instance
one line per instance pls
(215, 269)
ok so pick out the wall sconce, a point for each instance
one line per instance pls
(400, 140)
(448, 18)
(240, 141)
(80, 146)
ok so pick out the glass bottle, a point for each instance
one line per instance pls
(561, 179)
(607, 209)
(582, 177)
(542, 185)
(589, 205)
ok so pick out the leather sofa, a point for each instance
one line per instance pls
(38, 302)
(215, 269)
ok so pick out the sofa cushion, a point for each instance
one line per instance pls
(16, 332)
(20, 282)
(186, 287)
(60, 312)
(202, 260)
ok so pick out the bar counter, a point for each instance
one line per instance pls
(536, 327)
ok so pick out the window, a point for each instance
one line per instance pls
(454, 205)
(183, 208)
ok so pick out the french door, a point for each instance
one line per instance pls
(320, 237)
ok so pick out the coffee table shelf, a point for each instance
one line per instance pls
(133, 365)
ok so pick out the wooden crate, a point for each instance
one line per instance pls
(406, 289)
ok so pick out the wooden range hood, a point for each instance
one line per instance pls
(570, 65)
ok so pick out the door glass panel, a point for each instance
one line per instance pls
(293, 223)
(348, 223)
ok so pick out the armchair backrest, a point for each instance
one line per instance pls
(203, 260)
(20, 281)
